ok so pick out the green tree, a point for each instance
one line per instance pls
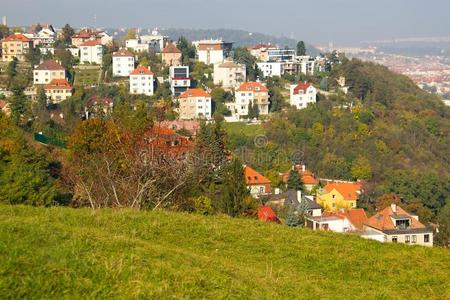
(18, 104)
(4, 31)
(253, 111)
(11, 70)
(187, 50)
(243, 56)
(443, 237)
(295, 182)
(301, 48)
(361, 168)
(67, 33)
(276, 99)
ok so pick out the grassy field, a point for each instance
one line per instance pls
(67, 253)
(87, 75)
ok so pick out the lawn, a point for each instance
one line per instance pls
(79, 253)
(87, 75)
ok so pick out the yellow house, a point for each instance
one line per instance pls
(335, 196)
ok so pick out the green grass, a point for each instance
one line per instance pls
(87, 76)
(67, 253)
(241, 128)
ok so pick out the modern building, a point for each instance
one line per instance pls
(212, 51)
(142, 81)
(58, 90)
(195, 104)
(271, 68)
(171, 56)
(257, 184)
(179, 80)
(281, 55)
(16, 45)
(123, 63)
(394, 225)
(229, 74)
(47, 71)
(91, 52)
(250, 93)
(260, 51)
(155, 40)
(302, 94)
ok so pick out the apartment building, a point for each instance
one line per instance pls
(229, 74)
(16, 45)
(179, 80)
(195, 104)
(47, 71)
(250, 93)
(141, 81)
(123, 63)
(91, 52)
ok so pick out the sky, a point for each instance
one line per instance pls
(343, 22)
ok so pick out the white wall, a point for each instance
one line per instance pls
(123, 65)
(141, 84)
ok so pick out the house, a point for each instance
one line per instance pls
(58, 90)
(195, 104)
(260, 51)
(91, 52)
(47, 71)
(141, 81)
(193, 127)
(394, 225)
(16, 45)
(44, 37)
(137, 45)
(271, 68)
(179, 80)
(229, 74)
(337, 195)
(343, 221)
(250, 93)
(87, 34)
(123, 63)
(266, 214)
(155, 41)
(212, 51)
(161, 141)
(257, 183)
(309, 179)
(171, 56)
(98, 107)
(302, 95)
(293, 198)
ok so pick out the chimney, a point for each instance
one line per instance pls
(394, 207)
(299, 196)
(277, 191)
(303, 168)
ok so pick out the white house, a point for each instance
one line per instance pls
(271, 68)
(212, 51)
(137, 45)
(91, 52)
(195, 104)
(250, 93)
(123, 63)
(302, 94)
(344, 221)
(47, 71)
(45, 37)
(179, 80)
(229, 74)
(155, 40)
(141, 81)
(58, 90)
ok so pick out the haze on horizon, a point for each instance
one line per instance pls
(338, 21)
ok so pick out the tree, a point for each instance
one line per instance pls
(4, 31)
(38, 28)
(131, 34)
(233, 189)
(301, 48)
(11, 70)
(443, 219)
(386, 200)
(276, 99)
(295, 182)
(253, 111)
(40, 110)
(18, 104)
(67, 33)
(187, 50)
(361, 168)
(243, 56)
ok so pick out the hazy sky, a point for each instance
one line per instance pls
(340, 21)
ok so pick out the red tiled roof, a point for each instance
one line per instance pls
(266, 214)
(252, 86)
(167, 141)
(302, 86)
(350, 191)
(254, 178)
(171, 48)
(357, 217)
(123, 53)
(50, 65)
(58, 84)
(307, 176)
(96, 100)
(17, 37)
(383, 219)
(141, 70)
(91, 43)
(197, 92)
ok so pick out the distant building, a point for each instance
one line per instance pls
(155, 40)
(45, 37)
(271, 68)
(123, 63)
(257, 184)
(308, 178)
(295, 199)
(250, 93)
(58, 90)
(229, 74)
(302, 94)
(137, 46)
(343, 221)
(47, 71)
(260, 51)
(98, 107)
(87, 34)
(395, 225)
(142, 81)
(91, 52)
(160, 141)
(195, 104)
(281, 55)
(179, 80)
(337, 195)
(16, 45)
(212, 51)
(171, 56)
(192, 126)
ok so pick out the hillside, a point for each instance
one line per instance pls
(62, 252)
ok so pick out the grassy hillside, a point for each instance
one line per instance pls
(61, 252)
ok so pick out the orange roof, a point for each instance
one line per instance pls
(141, 70)
(383, 219)
(17, 37)
(254, 178)
(167, 141)
(91, 43)
(349, 190)
(171, 48)
(307, 176)
(197, 92)
(252, 86)
(302, 86)
(357, 217)
(58, 84)
(122, 53)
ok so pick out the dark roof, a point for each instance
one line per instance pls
(50, 65)
(290, 198)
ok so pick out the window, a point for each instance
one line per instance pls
(334, 205)
(334, 196)
(407, 239)
(261, 190)
(394, 239)
(414, 239)
(426, 238)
